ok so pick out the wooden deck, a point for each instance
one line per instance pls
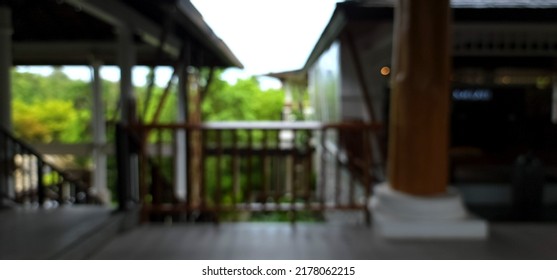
(97, 233)
(321, 241)
(60, 233)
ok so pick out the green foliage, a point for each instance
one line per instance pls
(51, 109)
(169, 109)
(244, 100)
(58, 109)
(50, 120)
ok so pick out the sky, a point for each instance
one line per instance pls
(266, 36)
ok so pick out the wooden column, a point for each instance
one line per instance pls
(419, 114)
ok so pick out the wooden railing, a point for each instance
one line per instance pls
(254, 166)
(28, 179)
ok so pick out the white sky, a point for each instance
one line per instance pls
(266, 36)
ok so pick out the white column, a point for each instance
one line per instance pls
(5, 67)
(100, 185)
(181, 140)
(126, 56)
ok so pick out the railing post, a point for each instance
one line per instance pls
(218, 190)
(367, 168)
(308, 169)
(235, 168)
(60, 184)
(323, 169)
(248, 195)
(264, 170)
(41, 191)
(295, 176)
(201, 193)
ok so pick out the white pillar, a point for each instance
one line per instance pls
(100, 185)
(180, 176)
(5, 67)
(126, 56)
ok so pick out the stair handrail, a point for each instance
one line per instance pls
(42, 163)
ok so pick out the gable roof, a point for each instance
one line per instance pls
(478, 4)
(463, 11)
(54, 32)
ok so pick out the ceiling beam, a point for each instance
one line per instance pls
(77, 53)
(118, 14)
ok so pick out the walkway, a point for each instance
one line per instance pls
(321, 241)
(66, 232)
(94, 232)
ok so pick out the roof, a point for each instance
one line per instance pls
(54, 32)
(294, 75)
(479, 4)
(463, 11)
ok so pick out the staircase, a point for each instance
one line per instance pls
(27, 179)
(46, 212)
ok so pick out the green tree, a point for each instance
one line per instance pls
(244, 101)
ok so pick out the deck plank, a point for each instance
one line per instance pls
(321, 241)
(43, 234)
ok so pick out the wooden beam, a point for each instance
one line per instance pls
(119, 14)
(78, 53)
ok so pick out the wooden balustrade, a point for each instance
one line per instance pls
(256, 166)
(30, 180)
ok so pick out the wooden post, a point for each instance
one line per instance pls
(419, 116)
(196, 193)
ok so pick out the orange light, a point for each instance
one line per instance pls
(385, 70)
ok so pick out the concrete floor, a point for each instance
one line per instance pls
(321, 241)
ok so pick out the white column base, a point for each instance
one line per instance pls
(403, 216)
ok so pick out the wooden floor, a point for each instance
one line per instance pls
(321, 241)
(93, 232)
(49, 234)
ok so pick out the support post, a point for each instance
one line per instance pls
(126, 156)
(5, 67)
(419, 116)
(100, 185)
(181, 173)
(126, 60)
(416, 202)
(5, 96)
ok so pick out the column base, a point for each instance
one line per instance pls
(403, 216)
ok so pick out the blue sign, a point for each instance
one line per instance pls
(472, 94)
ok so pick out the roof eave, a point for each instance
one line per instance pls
(202, 32)
(331, 32)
